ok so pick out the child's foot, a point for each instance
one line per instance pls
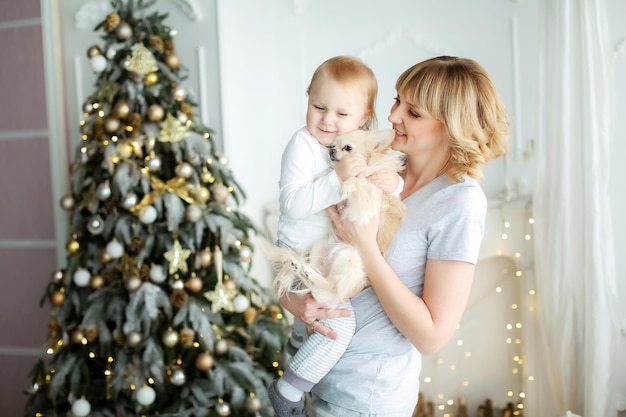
(282, 406)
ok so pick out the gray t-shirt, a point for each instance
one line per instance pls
(379, 372)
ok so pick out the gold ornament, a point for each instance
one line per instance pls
(177, 258)
(276, 312)
(72, 246)
(221, 193)
(128, 266)
(123, 31)
(249, 315)
(173, 130)
(93, 51)
(194, 284)
(170, 337)
(187, 337)
(156, 42)
(133, 124)
(107, 89)
(172, 60)
(252, 403)
(187, 110)
(230, 284)
(111, 22)
(142, 61)
(89, 196)
(221, 298)
(77, 336)
(155, 113)
(96, 282)
(204, 257)
(57, 298)
(201, 194)
(151, 78)
(121, 109)
(204, 361)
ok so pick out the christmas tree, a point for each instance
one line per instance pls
(155, 312)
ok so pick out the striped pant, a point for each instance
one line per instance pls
(318, 354)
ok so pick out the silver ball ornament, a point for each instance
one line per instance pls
(157, 274)
(222, 409)
(133, 283)
(148, 214)
(178, 377)
(241, 303)
(184, 170)
(133, 339)
(67, 202)
(221, 347)
(123, 31)
(103, 191)
(130, 200)
(81, 408)
(179, 93)
(193, 213)
(81, 277)
(245, 254)
(95, 225)
(253, 404)
(170, 338)
(145, 395)
(115, 249)
(112, 124)
(154, 163)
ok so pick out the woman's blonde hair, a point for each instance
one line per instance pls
(348, 69)
(460, 93)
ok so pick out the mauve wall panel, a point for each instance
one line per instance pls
(26, 205)
(15, 370)
(22, 9)
(23, 98)
(25, 274)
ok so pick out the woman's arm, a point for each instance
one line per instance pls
(428, 321)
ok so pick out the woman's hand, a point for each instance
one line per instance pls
(362, 236)
(309, 311)
(386, 180)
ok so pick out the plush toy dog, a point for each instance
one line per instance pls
(333, 270)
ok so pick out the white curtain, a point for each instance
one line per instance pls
(574, 254)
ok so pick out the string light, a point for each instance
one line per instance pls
(511, 288)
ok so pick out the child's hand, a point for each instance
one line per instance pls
(386, 180)
(349, 166)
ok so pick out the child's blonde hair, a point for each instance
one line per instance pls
(348, 69)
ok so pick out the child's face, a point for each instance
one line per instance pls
(335, 109)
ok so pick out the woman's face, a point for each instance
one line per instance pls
(417, 131)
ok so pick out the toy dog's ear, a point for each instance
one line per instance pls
(383, 138)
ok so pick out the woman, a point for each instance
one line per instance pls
(449, 121)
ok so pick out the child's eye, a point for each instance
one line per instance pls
(342, 114)
(319, 107)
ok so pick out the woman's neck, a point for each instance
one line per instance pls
(419, 173)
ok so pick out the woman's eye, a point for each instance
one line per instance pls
(413, 114)
(396, 100)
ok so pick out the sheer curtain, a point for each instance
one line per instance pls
(575, 267)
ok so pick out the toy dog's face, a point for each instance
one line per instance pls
(361, 142)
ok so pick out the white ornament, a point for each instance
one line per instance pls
(130, 200)
(146, 395)
(157, 274)
(81, 408)
(98, 63)
(241, 303)
(81, 277)
(147, 215)
(115, 249)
